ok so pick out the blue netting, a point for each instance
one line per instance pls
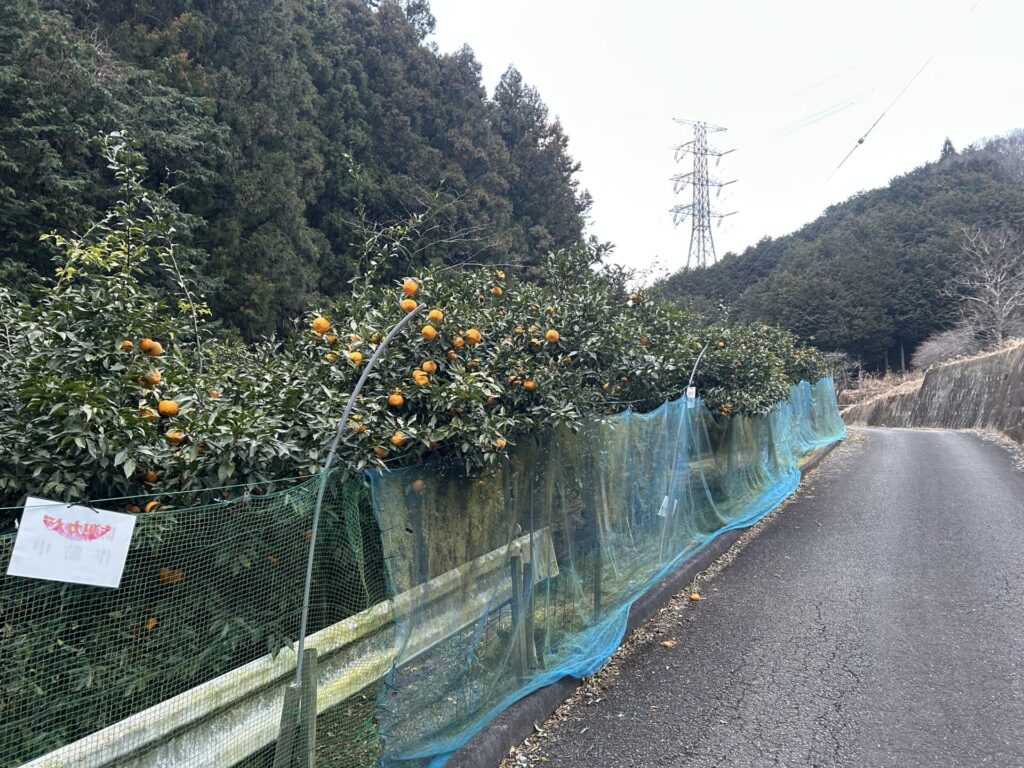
(507, 582)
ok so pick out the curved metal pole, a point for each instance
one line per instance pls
(323, 481)
(696, 363)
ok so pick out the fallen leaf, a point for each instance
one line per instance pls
(669, 643)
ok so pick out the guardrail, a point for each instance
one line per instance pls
(229, 718)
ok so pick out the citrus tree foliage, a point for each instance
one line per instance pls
(113, 387)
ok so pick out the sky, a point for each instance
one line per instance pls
(796, 82)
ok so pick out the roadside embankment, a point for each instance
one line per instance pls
(982, 392)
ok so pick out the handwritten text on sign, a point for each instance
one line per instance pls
(77, 544)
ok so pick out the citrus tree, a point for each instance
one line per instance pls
(116, 384)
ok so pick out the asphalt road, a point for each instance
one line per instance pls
(879, 621)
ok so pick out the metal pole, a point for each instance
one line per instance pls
(518, 637)
(307, 712)
(693, 373)
(286, 734)
(304, 622)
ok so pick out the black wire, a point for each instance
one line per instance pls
(900, 94)
(736, 283)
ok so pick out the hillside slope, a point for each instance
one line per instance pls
(869, 276)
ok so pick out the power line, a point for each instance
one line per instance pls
(899, 95)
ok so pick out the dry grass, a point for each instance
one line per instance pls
(872, 386)
(1004, 347)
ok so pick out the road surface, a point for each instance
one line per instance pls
(879, 621)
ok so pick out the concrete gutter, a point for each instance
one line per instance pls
(491, 745)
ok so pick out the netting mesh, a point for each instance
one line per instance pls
(499, 584)
(209, 598)
(507, 582)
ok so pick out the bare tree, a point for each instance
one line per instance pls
(991, 283)
(945, 345)
(1011, 154)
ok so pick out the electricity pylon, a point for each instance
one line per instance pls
(700, 213)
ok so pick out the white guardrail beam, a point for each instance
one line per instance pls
(223, 721)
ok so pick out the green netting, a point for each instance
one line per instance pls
(507, 582)
(500, 583)
(183, 664)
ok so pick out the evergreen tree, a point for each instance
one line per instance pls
(293, 128)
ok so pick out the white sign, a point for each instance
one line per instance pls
(691, 392)
(61, 542)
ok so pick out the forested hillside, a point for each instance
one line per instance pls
(871, 276)
(291, 131)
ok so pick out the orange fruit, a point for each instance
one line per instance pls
(152, 378)
(550, 310)
(428, 332)
(321, 325)
(417, 485)
(153, 506)
(429, 366)
(499, 275)
(132, 509)
(409, 287)
(167, 408)
(145, 344)
(501, 442)
(330, 357)
(398, 439)
(127, 346)
(273, 559)
(356, 358)
(435, 315)
(147, 413)
(721, 345)
(149, 476)
(151, 624)
(496, 291)
(452, 354)
(535, 342)
(395, 399)
(518, 330)
(330, 338)
(552, 336)
(473, 336)
(174, 436)
(408, 305)
(155, 350)
(458, 342)
(420, 377)
(171, 575)
(644, 341)
(358, 428)
(529, 385)
(695, 596)
(380, 451)
(213, 394)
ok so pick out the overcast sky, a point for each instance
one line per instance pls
(796, 81)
